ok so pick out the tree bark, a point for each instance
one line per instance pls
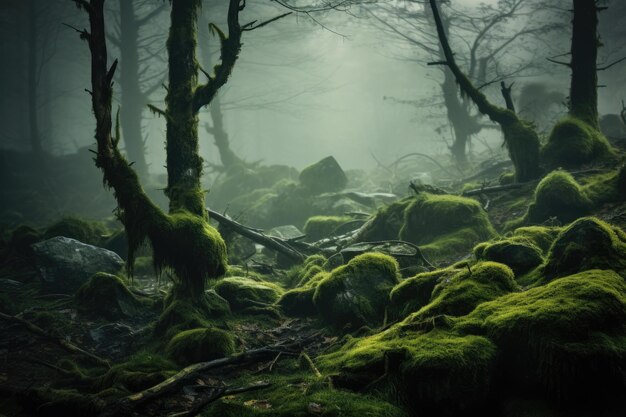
(584, 50)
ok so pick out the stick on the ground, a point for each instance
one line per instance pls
(59, 341)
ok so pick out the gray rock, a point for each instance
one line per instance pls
(325, 176)
(65, 264)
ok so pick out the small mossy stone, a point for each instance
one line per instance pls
(357, 293)
(242, 293)
(567, 336)
(200, 345)
(573, 142)
(520, 256)
(298, 302)
(558, 195)
(320, 227)
(324, 176)
(107, 296)
(588, 243)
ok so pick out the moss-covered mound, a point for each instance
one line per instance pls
(89, 232)
(607, 187)
(437, 372)
(199, 345)
(357, 293)
(445, 225)
(460, 294)
(558, 195)
(568, 335)
(324, 176)
(182, 314)
(242, 293)
(107, 296)
(573, 142)
(588, 243)
(320, 227)
(386, 224)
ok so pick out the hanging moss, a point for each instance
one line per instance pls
(199, 345)
(437, 372)
(357, 293)
(107, 296)
(90, 232)
(320, 227)
(445, 225)
(558, 195)
(568, 336)
(573, 142)
(242, 293)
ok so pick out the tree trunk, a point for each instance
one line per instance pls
(33, 123)
(132, 100)
(584, 84)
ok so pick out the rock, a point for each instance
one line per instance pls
(112, 340)
(65, 264)
(325, 176)
(285, 232)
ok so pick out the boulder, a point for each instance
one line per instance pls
(65, 264)
(325, 176)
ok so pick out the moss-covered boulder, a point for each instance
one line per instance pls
(199, 345)
(242, 293)
(558, 195)
(320, 227)
(181, 314)
(460, 294)
(445, 225)
(386, 223)
(588, 243)
(573, 142)
(436, 372)
(107, 296)
(22, 237)
(567, 336)
(90, 232)
(357, 293)
(324, 176)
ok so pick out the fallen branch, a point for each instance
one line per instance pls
(270, 242)
(498, 188)
(61, 342)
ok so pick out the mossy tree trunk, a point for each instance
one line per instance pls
(520, 138)
(182, 241)
(584, 51)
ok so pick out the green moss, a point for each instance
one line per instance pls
(323, 176)
(199, 345)
(183, 314)
(242, 293)
(320, 227)
(46, 401)
(540, 236)
(414, 293)
(573, 142)
(357, 293)
(461, 293)
(558, 195)
(107, 296)
(142, 370)
(445, 225)
(507, 178)
(517, 251)
(568, 335)
(89, 232)
(386, 223)
(588, 243)
(607, 187)
(438, 373)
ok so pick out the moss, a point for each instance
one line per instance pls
(573, 142)
(567, 336)
(607, 187)
(414, 293)
(461, 293)
(438, 373)
(107, 296)
(588, 243)
(323, 176)
(357, 293)
(89, 232)
(298, 301)
(445, 225)
(184, 314)
(320, 227)
(46, 401)
(199, 345)
(558, 195)
(242, 293)
(507, 178)
(386, 223)
(540, 236)
(142, 370)
(520, 254)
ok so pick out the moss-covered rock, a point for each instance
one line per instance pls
(568, 336)
(320, 227)
(90, 232)
(386, 223)
(588, 243)
(183, 314)
(357, 293)
(22, 237)
(242, 293)
(199, 345)
(445, 225)
(607, 187)
(437, 372)
(107, 296)
(298, 301)
(573, 142)
(324, 176)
